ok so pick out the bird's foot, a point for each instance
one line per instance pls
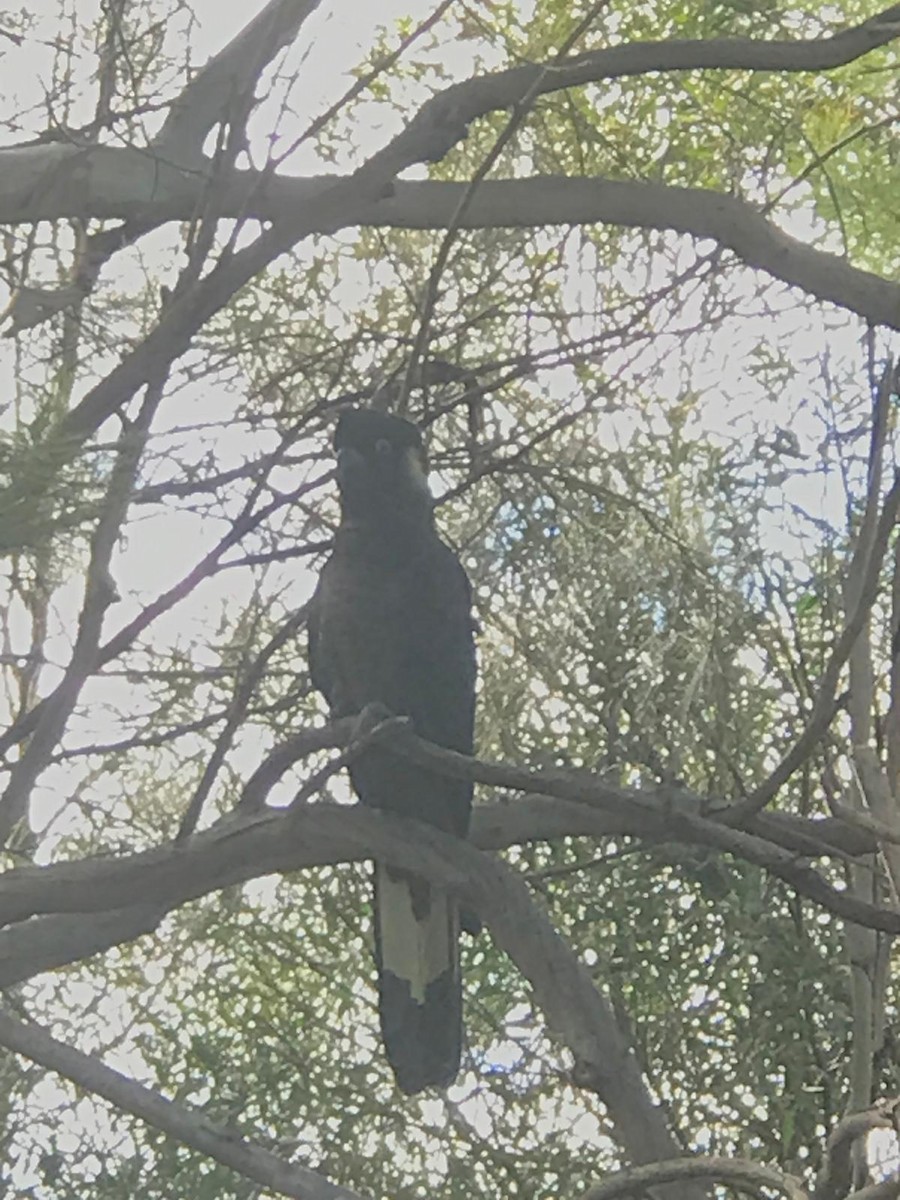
(375, 723)
(370, 717)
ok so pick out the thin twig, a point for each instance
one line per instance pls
(823, 705)
(100, 592)
(521, 109)
(235, 715)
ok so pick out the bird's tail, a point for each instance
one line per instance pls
(419, 989)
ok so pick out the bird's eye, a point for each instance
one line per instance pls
(383, 447)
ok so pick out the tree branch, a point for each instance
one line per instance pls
(835, 1176)
(575, 1011)
(699, 212)
(47, 942)
(192, 1128)
(885, 1189)
(738, 1173)
(48, 182)
(246, 522)
(238, 849)
(522, 203)
(99, 594)
(229, 77)
(503, 89)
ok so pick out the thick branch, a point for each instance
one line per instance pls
(240, 849)
(738, 1173)
(123, 182)
(730, 221)
(194, 1129)
(835, 1177)
(47, 942)
(37, 180)
(229, 76)
(52, 941)
(886, 1189)
(48, 182)
(504, 89)
(562, 987)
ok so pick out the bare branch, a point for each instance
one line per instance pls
(834, 1178)
(886, 1189)
(504, 89)
(221, 93)
(507, 133)
(229, 78)
(699, 212)
(44, 943)
(239, 849)
(189, 310)
(737, 1173)
(579, 1015)
(524, 203)
(245, 523)
(52, 181)
(236, 713)
(194, 1129)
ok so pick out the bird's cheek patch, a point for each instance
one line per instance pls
(416, 473)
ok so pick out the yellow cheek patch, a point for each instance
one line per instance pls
(414, 466)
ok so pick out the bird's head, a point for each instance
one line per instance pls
(381, 466)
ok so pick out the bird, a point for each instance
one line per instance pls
(390, 624)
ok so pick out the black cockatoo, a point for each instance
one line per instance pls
(390, 623)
